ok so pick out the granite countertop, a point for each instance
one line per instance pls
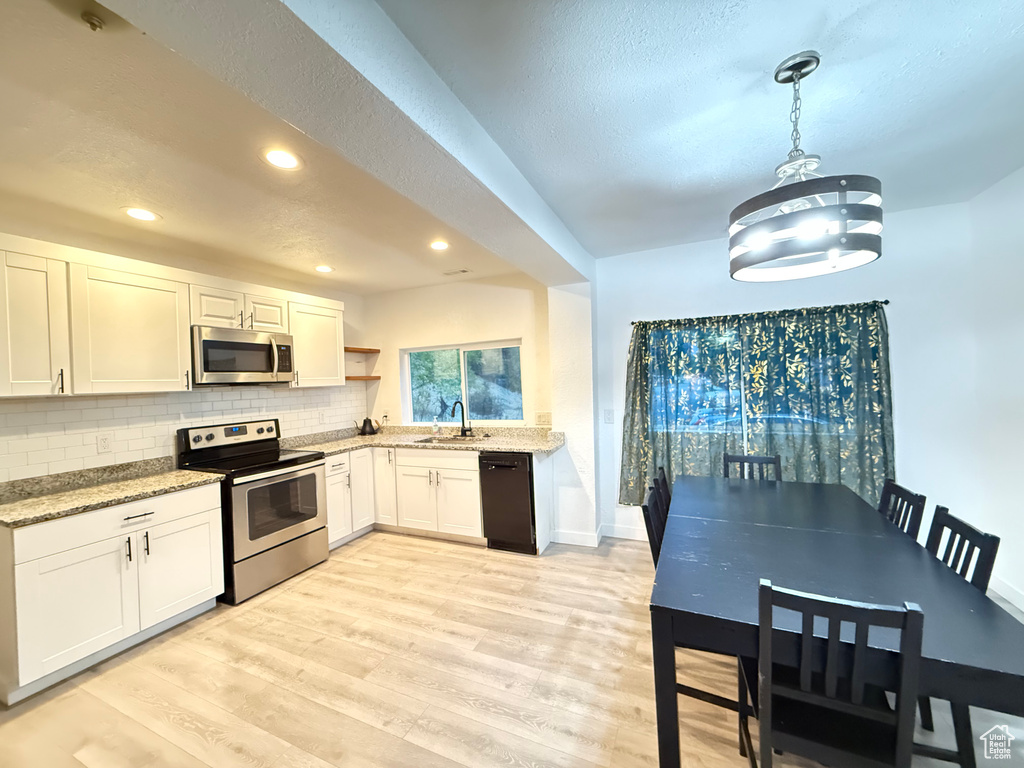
(69, 493)
(514, 440)
(38, 499)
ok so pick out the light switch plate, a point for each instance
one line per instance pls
(543, 418)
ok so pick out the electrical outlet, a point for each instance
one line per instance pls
(323, 417)
(104, 441)
(543, 418)
(609, 416)
(386, 414)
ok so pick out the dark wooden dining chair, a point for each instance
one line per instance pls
(823, 709)
(749, 465)
(653, 522)
(903, 508)
(661, 483)
(972, 554)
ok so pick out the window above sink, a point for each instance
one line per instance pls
(486, 378)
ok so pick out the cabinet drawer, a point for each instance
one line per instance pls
(336, 464)
(63, 534)
(437, 458)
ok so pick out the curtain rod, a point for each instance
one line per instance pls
(634, 322)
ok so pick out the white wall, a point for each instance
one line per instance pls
(997, 264)
(952, 274)
(496, 309)
(572, 410)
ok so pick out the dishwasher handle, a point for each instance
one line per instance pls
(493, 465)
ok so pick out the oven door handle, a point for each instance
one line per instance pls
(300, 469)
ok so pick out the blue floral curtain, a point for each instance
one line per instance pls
(812, 385)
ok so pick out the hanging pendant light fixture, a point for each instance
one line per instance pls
(807, 224)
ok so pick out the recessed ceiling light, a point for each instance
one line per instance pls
(439, 245)
(324, 268)
(281, 159)
(141, 214)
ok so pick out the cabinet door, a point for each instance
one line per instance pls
(458, 502)
(181, 564)
(339, 506)
(35, 353)
(218, 307)
(265, 314)
(319, 337)
(417, 504)
(129, 333)
(362, 488)
(75, 603)
(384, 486)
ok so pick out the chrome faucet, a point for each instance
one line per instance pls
(466, 431)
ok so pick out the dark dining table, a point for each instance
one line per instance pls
(724, 535)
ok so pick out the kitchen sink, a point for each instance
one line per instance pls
(453, 439)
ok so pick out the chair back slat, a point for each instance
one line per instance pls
(966, 546)
(751, 466)
(835, 679)
(649, 508)
(903, 508)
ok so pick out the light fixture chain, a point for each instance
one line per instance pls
(794, 116)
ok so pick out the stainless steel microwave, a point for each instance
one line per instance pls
(236, 356)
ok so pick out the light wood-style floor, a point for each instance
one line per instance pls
(398, 651)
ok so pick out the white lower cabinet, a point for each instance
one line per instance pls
(439, 490)
(180, 565)
(350, 494)
(385, 499)
(417, 506)
(84, 583)
(73, 604)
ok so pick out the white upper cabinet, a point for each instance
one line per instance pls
(35, 355)
(319, 337)
(218, 307)
(266, 314)
(129, 333)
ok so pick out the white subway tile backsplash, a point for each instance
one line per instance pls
(41, 436)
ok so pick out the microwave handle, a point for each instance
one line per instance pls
(273, 352)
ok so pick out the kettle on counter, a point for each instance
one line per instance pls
(368, 427)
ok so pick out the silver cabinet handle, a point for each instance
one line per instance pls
(60, 379)
(145, 539)
(439, 478)
(188, 384)
(348, 480)
(128, 541)
(430, 477)
(389, 455)
(250, 320)
(138, 517)
(241, 319)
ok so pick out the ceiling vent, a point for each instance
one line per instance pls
(451, 272)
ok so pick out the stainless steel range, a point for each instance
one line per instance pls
(273, 501)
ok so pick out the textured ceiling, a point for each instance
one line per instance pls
(643, 124)
(94, 121)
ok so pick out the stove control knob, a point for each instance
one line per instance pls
(259, 431)
(197, 439)
(270, 429)
(210, 436)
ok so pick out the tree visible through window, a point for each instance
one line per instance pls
(487, 380)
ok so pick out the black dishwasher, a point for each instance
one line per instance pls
(506, 490)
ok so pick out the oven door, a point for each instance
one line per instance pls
(235, 356)
(277, 506)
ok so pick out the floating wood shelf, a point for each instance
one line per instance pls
(362, 378)
(363, 350)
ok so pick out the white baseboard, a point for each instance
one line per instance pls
(1008, 592)
(580, 538)
(624, 532)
